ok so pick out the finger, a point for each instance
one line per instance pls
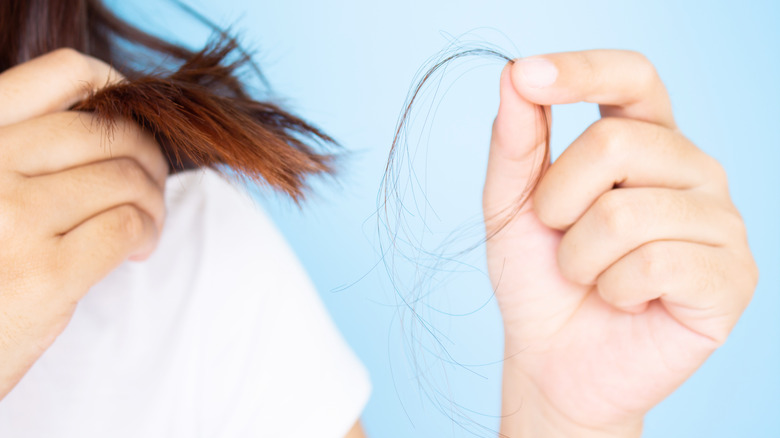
(701, 286)
(98, 245)
(624, 83)
(622, 220)
(58, 141)
(621, 153)
(517, 151)
(78, 193)
(51, 82)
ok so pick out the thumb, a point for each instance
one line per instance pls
(519, 154)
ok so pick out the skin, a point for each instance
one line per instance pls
(71, 209)
(625, 269)
(627, 266)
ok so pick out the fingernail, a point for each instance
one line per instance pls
(537, 72)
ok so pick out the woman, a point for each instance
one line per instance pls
(625, 270)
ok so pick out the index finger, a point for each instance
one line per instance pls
(623, 83)
(50, 83)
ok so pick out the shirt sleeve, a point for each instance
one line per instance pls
(272, 362)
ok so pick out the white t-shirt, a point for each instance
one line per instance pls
(218, 334)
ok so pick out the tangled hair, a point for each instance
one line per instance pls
(419, 259)
(195, 105)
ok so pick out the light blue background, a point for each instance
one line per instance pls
(347, 66)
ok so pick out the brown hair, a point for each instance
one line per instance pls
(199, 111)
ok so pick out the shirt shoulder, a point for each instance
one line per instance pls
(310, 383)
(220, 332)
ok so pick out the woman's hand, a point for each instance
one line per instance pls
(75, 201)
(628, 265)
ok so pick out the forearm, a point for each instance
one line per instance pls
(526, 413)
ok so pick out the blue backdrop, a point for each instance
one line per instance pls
(347, 66)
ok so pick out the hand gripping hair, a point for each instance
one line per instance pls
(195, 105)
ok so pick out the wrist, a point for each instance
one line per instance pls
(526, 412)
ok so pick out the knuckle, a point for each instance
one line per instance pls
(139, 189)
(615, 213)
(615, 289)
(156, 202)
(641, 62)
(74, 61)
(130, 173)
(753, 275)
(653, 265)
(736, 226)
(731, 225)
(644, 71)
(130, 223)
(605, 136)
(716, 172)
(745, 273)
